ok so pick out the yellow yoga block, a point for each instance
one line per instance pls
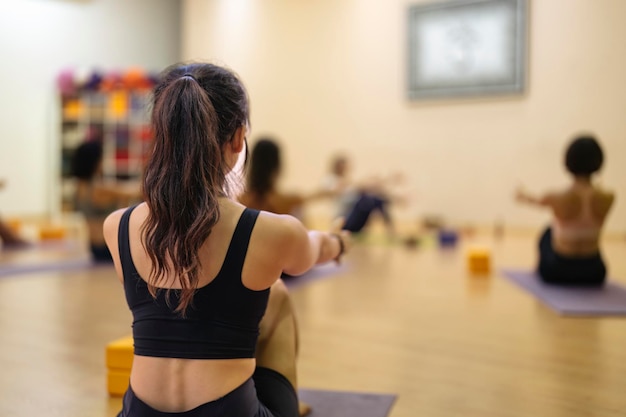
(117, 381)
(51, 232)
(119, 360)
(119, 353)
(479, 261)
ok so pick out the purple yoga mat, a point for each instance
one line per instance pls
(322, 271)
(50, 266)
(347, 404)
(609, 300)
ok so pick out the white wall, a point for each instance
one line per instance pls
(328, 75)
(38, 38)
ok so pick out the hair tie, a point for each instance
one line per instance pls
(190, 76)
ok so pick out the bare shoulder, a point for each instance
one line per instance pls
(604, 199)
(606, 195)
(273, 243)
(112, 223)
(279, 228)
(110, 228)
(282, 236)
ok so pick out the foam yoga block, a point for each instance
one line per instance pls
(119, 360)
(478, 261)
(52, 232)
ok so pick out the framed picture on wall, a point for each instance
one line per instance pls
(466, 48)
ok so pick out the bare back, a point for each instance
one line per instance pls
(579, 215)
(172, 384)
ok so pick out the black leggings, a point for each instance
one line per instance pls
(563, 270)
(359, 214)
(266, 394)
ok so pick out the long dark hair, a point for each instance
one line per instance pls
(197, 110)
(264, 165)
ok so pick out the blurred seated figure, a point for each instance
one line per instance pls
(357, 201)
(95, 198)
(262, 191)
(569, 249)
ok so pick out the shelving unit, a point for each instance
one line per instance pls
(119, 118)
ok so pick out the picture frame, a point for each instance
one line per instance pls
(467, 48)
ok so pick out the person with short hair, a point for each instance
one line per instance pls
(569, 249)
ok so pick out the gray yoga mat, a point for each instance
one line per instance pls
(316, 273)
(609, 300)
(347, 404)
(45, 266)
(54, 256)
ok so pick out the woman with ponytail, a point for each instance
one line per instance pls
(213, 326)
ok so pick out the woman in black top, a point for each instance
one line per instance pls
(213, 325)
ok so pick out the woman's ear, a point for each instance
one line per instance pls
(239, 139)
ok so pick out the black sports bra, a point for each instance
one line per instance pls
(222, 322)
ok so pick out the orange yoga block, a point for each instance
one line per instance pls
(479, 261)
(119, 353)
(117, 382)
(119, 360)
(52, 232)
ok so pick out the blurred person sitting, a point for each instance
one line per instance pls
(569, 249)
(358, 200)
(262, 191)
(95, 198)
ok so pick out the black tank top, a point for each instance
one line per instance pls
(221, 323)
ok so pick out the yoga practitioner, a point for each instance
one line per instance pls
(569, 249)
(262, 191)
(213, 326)
(357, 201)
(94, 197)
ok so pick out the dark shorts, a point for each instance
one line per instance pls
(266, 394)
(363, 208)
(564, 270)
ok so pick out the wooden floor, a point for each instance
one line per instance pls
(408, 322)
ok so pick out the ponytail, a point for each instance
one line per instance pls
(182, 182)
